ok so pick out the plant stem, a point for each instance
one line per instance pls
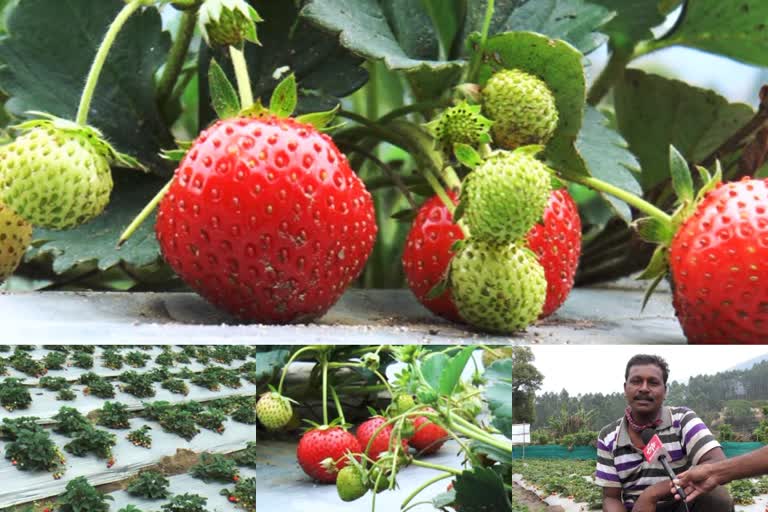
(612, 73)
(422, 106)
(143, 214)
(100, 58)
(438, 467)
(422, 487)
(324, 362)
(629, 198)
(242, 77)
(476, 57)
(176, 56)
(485, 438)
(338, 405)
(291, 360)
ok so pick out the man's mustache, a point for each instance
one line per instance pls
(644, 397)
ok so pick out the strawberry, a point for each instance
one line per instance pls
(428, 437)
(57, 174)
(15, 236)
(381, 442)
(427, 255)
(273, 410)
(350, 483)
(717, 262)
(323, 451)
(266, 220)
(556, 240)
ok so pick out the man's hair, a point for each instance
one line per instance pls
(643, 359)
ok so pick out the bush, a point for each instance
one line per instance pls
(80, 496)
(149, 484)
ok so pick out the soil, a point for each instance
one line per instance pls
(530, 501)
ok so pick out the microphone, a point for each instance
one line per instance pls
(654, 450)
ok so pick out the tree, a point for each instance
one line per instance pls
(526, 380)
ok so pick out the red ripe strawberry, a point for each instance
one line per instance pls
(428, 437)
(322, 452)
(556, 240)
(381, 442)
(718, 266)
(427, 255)
(266, 220)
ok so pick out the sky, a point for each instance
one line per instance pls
(600, 368)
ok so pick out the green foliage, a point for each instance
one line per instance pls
(14, 395)
(137, 359)
(53, 383)
(499, 395)
(214, 467)
(114, 415)
(92, 440)
(244, 494)
(149, 484)
(32, 449)
(112, 358)
(97, 386)
(563, 477)
(82, 360)
(211, 419)
(24, 363)
(138, 385)
(185, 503)
(69, 421)
(54, 360)
(247, 457)
(80, 496)
(140, 437)
(526, 380)
(725, 433)
(175, 386)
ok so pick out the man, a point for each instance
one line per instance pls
(702, 479)
(628, 481)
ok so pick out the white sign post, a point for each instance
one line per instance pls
(521, 434)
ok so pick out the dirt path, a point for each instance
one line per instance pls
(529, 500)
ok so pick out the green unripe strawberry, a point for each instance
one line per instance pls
(56, 178)
(274, 410)
(350, 483)
(506, 195)
(497, 287)
(228, 22)
(462, 123)
(402, 403)
(15, 236)
(522, 107)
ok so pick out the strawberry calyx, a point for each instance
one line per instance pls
(228, 22)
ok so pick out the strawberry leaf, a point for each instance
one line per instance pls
(467, 155)
(682, 181)
(284, 97)
(223, 94)
(498, 393)
(480, 490)
(452, 372)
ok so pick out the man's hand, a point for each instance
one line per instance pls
(696, 481)
(647, 501)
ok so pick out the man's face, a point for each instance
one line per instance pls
(645, 390)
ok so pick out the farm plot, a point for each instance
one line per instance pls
(168, 414)
(569, 484)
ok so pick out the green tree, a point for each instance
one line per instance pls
(526, 380)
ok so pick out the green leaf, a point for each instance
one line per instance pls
(439, 289)
(447, 18)
(95, 240)
(682, 181)
(223, 95)
(481, 490)
(734, 29)
(574, 21)
(654, 112)
(606, 156)
(657, 266)
(324, 70)
(498, 394)
(284, 97)
(319, 120)
(432, 369)
(49, 51)
(399, 32)
(452, 372)
(493, 452)
(632, 21)
(559, 65)
(467, 155)
(269, 363)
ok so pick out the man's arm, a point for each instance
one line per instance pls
(713, 455)
(612, 500)
(703, 478)
(647, 501)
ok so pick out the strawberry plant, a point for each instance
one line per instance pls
(113, 415)
(175, 386)
(24, 363)
(246, 413)
(185, 503)
(93, 440)
(211, 419)
(138, 385)
(215, 467)
(53, 383)
(112, 358)
(243, 495)
(247, 457)
(137, 359)
(97, 386)
(82, 359)
(140, 437)
(55, 360)
(69, 421)
(80, 496)
(165, 359)
(66, 394)
(14, 395)
(33, 450)
(149, 484)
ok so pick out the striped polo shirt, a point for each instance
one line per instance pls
(619, 464)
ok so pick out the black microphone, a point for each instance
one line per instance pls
(654, 450)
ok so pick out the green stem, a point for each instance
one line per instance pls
(438, 467)
(612, 73)
(101, 57)
(384, 381)
(422, 106)
(143, 214)
(176, 56)
(324, 362)
(291, 360)
(414, 505)
(476, 57)
(476, 435)
(242, 77)
(422, 487)
(337, 402)
(629, 198)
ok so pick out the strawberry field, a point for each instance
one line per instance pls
(127, 428)
(384, 428)
(281, 163)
